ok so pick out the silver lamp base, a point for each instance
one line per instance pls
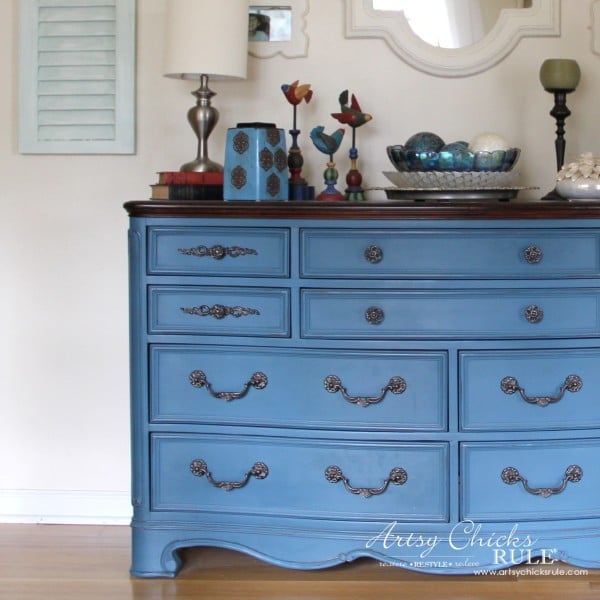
(203, 117)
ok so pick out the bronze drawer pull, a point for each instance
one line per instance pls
(199, 468)
(333, 384)
(374, 315)
(374, 254)
(573, 474)
(534, 314)
(533, 255)
(397, 476)
(217, 252)
(218, 311)
(258, 381)
(573, 383)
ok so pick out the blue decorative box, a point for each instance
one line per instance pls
(255, 163)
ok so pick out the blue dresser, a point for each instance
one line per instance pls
(314, 383)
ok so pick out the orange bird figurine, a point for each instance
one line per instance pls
(296, 93)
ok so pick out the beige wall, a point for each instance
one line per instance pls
(64, 362)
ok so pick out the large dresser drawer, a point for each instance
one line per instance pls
(392, 481)
(501, 313)
(513, 481)
(216, 251)
(450, 254)
(516, 390)
(219, 310)
(308, 388)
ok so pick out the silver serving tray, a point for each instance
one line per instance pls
(451, 194)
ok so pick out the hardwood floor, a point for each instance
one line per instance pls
(56, 562)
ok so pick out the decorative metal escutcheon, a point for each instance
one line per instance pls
(217, 252)
(258, 381)
(573, 474)
(374, 315)
(534, 314)
(199, 468)
(333, 384)
(374, 254)
(533, 254)
(219, 311)
(397, 476)
(572, 383)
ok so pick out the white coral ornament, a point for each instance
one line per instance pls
(588, 166)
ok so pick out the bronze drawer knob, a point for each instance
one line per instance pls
(374, 315)
(534, 314)
(533, 255)
(374, 254)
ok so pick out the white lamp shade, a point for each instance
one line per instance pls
(206, 37)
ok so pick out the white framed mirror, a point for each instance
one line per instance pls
(277, 28)
(526, 18)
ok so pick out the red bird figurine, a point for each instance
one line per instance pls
(296, 93)
(351, 115)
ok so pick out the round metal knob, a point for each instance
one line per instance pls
(533, 254)
(374, 254)
(534, 314)
(374, 315)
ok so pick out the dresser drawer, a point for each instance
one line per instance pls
(529, 389)
(292, 478)
(219, 310)
(501, 313)
(450, 254)
(515, 481)
(299, 388)
(215, 251)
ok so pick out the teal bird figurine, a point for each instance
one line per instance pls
(328, 144)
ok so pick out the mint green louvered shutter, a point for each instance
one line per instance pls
(77, 76)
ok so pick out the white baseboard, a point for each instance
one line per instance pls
(65, 507)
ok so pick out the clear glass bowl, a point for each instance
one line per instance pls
(456, 159)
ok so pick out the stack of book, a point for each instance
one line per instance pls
(183, 185)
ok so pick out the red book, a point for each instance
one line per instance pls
(189, 178)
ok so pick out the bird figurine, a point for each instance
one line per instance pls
(351, 114)
(295, 93)
(328, 144)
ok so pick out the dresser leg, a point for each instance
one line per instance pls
(154, 553)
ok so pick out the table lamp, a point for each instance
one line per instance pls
(559, 76)
(205, 38)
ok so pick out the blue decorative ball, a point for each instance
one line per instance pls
(424, 141)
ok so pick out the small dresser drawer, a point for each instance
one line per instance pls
(513, 481)
(215, 251)
(529, 389)
(276, 387)
(219, 310)
(299, 478)
(492, 314)
(450, 254)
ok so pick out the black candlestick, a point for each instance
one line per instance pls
(559, 76)
(560, 112)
